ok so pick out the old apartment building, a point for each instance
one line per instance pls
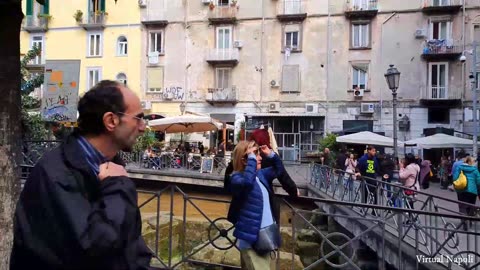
(304, 67)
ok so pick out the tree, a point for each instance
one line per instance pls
(10, 116)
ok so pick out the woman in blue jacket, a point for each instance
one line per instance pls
(250, 210)
(470, 193)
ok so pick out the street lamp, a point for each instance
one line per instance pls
(393, 80)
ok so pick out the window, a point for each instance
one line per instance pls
(476, 37)
(360, 35)
(122, 78)
(223, 2)
(359, 76)
(440, 30)
(156, 42)
(361, 4)
(155, 80)
(94, 76)
(95, 44)
(292, 37)
(292, 7)
(437, 3)
(224, 37)
(291, 78)
(122, 48)
(438, 116)
(37, 41)
(438, 80)
(223, 78)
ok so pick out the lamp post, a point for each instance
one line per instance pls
(393, 80)
(474, 100)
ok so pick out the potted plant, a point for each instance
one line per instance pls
(47, 17)
(211, 6)
(78, 16)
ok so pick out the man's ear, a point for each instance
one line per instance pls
(110, 121)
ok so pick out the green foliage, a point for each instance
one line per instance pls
(330, 142)
(78, 15)
(146, 140)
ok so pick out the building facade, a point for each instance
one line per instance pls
(303, 67)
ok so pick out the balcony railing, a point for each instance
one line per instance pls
(223, 14)
(438, 49)
(230, 55)
(361, 8)
(436, 92)
(94, 20)
(291, 10)
(35, 24)
(222, 95)
(442, 6)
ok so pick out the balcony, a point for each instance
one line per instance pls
(361, 9)
(223, 56)
(155, 17)
(223, 14)
(431, 7)
(35, 24)
(440, 96)
(441, 49)
(291, 10)
(222, 96)
(94, 21)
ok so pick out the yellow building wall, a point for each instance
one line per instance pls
(66, 40)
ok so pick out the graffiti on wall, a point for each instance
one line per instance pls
(60, 96)
(174, 93)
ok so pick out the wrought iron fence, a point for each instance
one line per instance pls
(326, 236)
(344, 187)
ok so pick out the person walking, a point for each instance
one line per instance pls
(368, 168)
(387, 166)
(461, 156)
(409, 176)
(78, 208)
(256, 228)
(349, 177)
(470, 193)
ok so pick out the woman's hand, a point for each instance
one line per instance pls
(265, 150)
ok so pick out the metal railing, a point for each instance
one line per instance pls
(440, 93)
(291, 7)
(422, 231)
(32, 21)
(95, 18)
(223, 12)
(222, 94)
(442, 3)
(314, 234)
(441, 46)
(361, 5)
(230, 54)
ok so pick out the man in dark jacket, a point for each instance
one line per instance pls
(261, 137)
(78, 209)
(368, 167)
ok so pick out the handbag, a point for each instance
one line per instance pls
(268, 240)
(461, 182)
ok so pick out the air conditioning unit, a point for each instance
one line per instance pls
(420, 33)
(153, 58)
(274, 107)
(274, 84)
(311, 108)
(206, 2)
(358, 92)
(367, 108)
(146, 105)
(237, 44)
(142, 3)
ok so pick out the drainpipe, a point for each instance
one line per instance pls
(261, 55)
(187, 65)
(464, 82)
(383, 64)
(328, 68)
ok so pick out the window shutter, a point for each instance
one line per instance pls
(155, 78)
(46, 7)
(102, 5)
(291, 78)
(29, 7)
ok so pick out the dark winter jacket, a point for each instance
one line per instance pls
(246, 208)
(283, 177)
(67, 219)
(368, 167)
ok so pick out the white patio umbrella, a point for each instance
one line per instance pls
(188, 123)
(440, 140)
(367, 137)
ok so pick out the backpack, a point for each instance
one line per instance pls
(461, 182)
